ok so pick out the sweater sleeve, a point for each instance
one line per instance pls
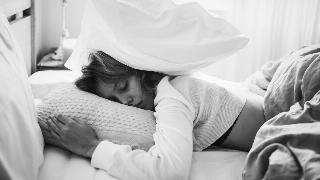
(169, 158)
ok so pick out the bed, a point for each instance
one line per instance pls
(289, 140)
(60, 164)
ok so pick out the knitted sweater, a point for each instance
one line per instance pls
(215, 103)
(187, 110)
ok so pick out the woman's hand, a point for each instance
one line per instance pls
(74, 135)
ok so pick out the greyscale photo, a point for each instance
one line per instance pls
(159, 89)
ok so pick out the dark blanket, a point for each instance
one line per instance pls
(287, 146)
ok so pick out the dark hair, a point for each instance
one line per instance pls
(107, 69)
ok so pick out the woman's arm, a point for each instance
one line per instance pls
(169, 158)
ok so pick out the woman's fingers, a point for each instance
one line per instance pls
(66, 120)
(74, 134)
(62, 119)
(54, 129)
(75, 120)
(78, 121)
(60, 123)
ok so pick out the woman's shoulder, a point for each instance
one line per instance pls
(171, 85)
(187, 85)
(172, 88)
(184, 83)
(179, 82)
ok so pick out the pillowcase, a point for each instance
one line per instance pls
(155, 35)
(112, 121)
(42, 82)
(21, 142)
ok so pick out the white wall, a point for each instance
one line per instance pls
(49, 14)
(273, 30)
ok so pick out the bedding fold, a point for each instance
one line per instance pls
(258, 82)
(287, 145)
(155, 35)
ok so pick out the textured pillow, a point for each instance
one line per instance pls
(155, 35)
(113, 121)
(21, 142)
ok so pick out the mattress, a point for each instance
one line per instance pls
(218, 164)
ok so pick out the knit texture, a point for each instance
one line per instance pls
(215, 105)
(216, 109)
(112, 121)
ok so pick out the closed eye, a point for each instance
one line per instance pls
(122, 85)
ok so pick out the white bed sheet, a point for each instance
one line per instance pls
(218, 164)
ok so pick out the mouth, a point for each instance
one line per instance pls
(139, 104)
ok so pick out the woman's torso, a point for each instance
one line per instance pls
(216, 103)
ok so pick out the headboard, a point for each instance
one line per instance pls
(21, 17)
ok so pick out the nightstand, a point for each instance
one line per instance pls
(51, 61)
(43, 68)
(55, 59)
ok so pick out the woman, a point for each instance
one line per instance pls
(190, 114)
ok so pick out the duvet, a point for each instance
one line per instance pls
(287, 146)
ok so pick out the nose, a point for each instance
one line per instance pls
(127, 100)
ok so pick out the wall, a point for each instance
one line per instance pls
(275, 28)
(49, 19)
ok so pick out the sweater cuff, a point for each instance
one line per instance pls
(104, 153)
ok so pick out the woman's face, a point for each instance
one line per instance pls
(128, 92)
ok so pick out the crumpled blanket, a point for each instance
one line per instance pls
(287, 146)
(258, 82)
(297, 79)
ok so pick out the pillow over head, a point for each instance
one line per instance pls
(155, 35)
(113, 121)
(21, 142)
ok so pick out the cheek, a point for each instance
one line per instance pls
(136, 90)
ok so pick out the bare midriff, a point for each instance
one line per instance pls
(242, 133)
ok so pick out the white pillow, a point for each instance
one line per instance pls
(42, 82)
(21, 142)
(155, 35)
(113, 121)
